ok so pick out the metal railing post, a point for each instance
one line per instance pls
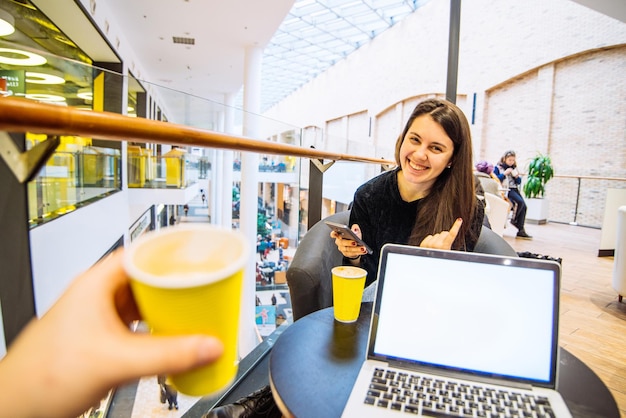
(316, 183)
(453, 50)
(575, 222)
(16, 284)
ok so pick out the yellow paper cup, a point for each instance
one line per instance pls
(348, 284)
(187, 279)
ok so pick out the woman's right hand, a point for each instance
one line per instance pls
(349, 248)
(444, 239)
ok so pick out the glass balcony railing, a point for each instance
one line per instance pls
(74, 176)
(84, 170)
(180, 171)
(165, 172)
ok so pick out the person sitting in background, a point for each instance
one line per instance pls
(508, 174)
(483, 173)
(67, 361)
(484, 170)
(429, 200)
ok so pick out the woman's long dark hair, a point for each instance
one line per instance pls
(453, 194)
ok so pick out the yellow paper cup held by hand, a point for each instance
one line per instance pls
(186, 280)
(348, 284)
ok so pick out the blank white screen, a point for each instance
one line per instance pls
(481, 317)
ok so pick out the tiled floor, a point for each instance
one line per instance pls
(147, 403)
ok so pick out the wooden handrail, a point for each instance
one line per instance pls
(23, 115)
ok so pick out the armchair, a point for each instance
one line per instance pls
(497, 211)
(308, 276)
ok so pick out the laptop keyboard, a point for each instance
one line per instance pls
(437, 397)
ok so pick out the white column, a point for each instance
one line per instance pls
(227, 166)
(249, 193)
(294, 214)
(219, 189)
(544, 112)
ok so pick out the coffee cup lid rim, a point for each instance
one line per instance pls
(193, 280)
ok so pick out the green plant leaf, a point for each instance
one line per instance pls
(540, 171)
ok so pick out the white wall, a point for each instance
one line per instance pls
(62, 249)
(499, 41)
(140, 200)
(343, 178)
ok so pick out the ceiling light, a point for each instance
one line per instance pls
(6, 23)
(25, 58)
(65, 41)
(85, 94)
(42, 97)
(43, 78)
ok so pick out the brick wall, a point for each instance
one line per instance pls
(534, 76)
(575, 111)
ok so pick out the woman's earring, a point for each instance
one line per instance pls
(449, 165)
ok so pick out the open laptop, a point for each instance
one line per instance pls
(461, 334)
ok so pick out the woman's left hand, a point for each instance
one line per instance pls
(444, 239)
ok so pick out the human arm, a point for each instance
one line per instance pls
(498, 173)
(65, 362)
(359, 223)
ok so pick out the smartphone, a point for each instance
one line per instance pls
(347, 233)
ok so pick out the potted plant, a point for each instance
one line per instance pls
(540, 171)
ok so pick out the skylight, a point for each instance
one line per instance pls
(317, 34)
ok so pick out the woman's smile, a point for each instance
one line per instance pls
(425, 153)
(416, 166)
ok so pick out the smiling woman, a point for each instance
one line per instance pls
(424, 155)
(429, 200)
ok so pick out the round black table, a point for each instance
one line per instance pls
(316, 360)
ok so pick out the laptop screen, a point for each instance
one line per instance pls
(484, 315)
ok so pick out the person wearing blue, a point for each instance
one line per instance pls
(506, 170)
